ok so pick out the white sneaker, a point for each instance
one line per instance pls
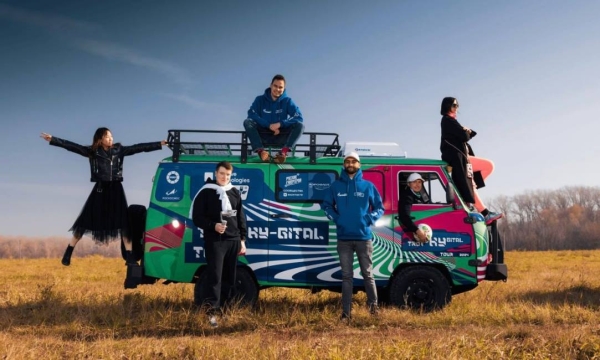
(213, 321)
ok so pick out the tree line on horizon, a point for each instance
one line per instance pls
(22, 247)
(563, 219)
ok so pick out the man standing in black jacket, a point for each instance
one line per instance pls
(217, 210)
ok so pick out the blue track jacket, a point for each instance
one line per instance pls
(353, 205)
(265, 111)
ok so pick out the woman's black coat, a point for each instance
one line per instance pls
(455, 150)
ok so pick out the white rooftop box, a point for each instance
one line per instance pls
(373, 149)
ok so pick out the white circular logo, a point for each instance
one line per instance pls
(427, 230)
(172, 177)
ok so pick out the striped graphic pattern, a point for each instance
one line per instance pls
(322, 260)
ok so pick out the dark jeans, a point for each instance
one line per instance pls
(221, 261)
(258, 135)
(364, 253)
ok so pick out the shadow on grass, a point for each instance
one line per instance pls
(52, 309)
(580, 295)
(139, 315)
(133, 315)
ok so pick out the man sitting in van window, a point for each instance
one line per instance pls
(413, 194)
(274, 118)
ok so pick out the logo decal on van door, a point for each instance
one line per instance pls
(292, 180)
(309, 232)
(169, 187)
(244, 189)
(443, 243)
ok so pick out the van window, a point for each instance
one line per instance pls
(432, 185)
(377, 178)
(303, 185)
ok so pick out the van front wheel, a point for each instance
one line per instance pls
(421, 288)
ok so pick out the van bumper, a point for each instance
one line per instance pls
(135, 276)
(496, 272)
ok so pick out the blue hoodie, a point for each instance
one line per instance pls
(353, 205)
(265, 111)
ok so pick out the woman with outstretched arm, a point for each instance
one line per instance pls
(104, 215)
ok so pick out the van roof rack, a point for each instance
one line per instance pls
(225, 142)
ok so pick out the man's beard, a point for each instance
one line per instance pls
(351, 170)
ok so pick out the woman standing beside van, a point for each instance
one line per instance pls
(468, 171)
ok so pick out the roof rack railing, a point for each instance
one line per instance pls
(224, 142)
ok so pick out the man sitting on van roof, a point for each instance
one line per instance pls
(274, 119)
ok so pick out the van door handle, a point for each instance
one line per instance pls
(280, 216)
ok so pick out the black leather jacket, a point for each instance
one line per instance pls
(105, 165)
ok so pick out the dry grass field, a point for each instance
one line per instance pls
(548, 309)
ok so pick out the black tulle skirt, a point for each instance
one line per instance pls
(104, 215)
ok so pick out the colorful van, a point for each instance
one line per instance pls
(290, 241)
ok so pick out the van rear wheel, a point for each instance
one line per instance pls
(245, 293)
(421, 288)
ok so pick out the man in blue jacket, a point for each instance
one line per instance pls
(354, 204)
(275, 119)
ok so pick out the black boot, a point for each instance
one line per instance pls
(66, 260)
(129, 258)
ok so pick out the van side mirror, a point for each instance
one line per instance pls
(474, 218)
(450, 194)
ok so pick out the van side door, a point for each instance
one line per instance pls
(453, 241)
(300, 253)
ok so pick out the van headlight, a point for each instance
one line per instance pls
(381, 222)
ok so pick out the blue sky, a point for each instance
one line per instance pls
(525, 73)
